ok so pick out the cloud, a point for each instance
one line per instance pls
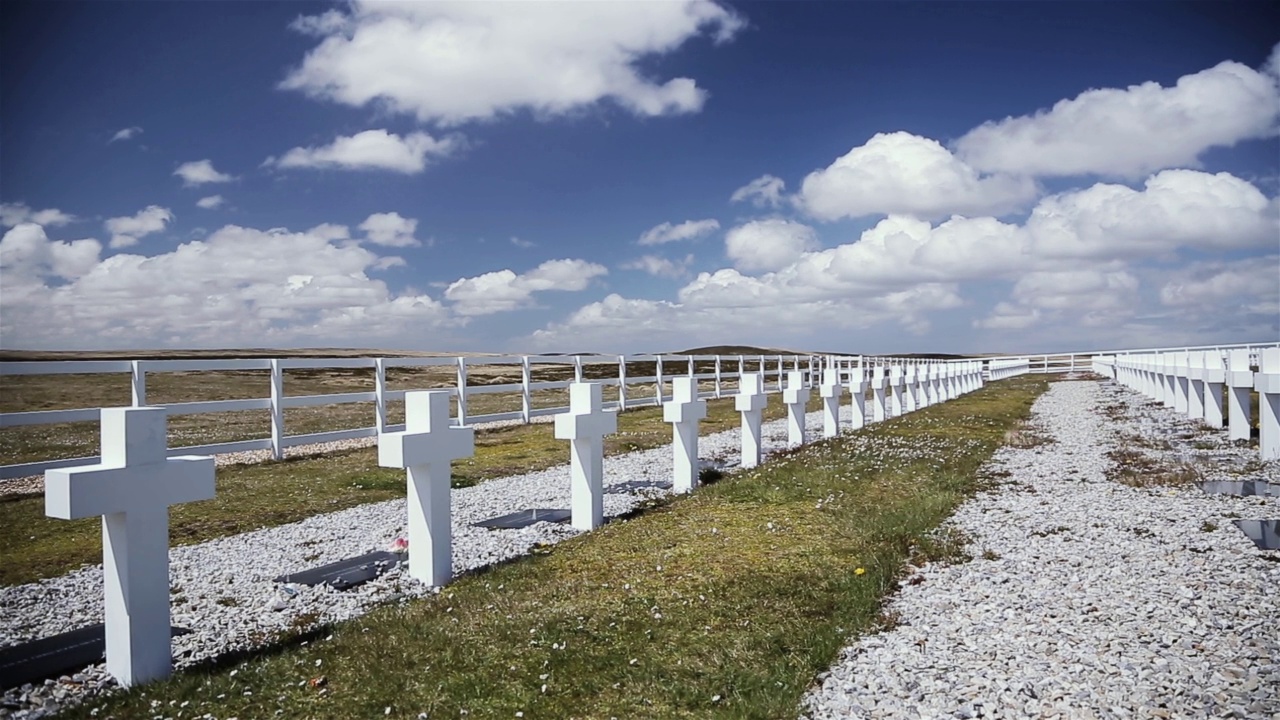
(523, 244)
(687, 230)
(12, 214)
(371, 150)
(1132, 132)
(238, 287)
(209, 203)
(1209, 288)
(125, 231)
(904, 174)
(659, 266)
(1177, 209)
(330, 231)
(764, 191)
(200, 172)
(125, 134)
(504, 290)
(768, 244)
(450, 63)
(390, 229)
(27, 254)
(1007, 316)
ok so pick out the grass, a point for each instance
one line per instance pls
(1135, 468)
(725, 603)
(279, 492)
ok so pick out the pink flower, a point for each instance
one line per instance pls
(399, 545)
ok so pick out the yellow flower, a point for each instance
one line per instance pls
(860, 571)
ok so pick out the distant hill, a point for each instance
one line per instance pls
(737, 350)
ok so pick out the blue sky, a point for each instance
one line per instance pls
(623, 177)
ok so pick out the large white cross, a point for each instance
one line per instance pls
(831, 390)
(1240, 380)
(1267, 382)
(795, 397)
(858, 391)
(424, 451)
(750, 401)
(909, 396)
(683, 412)
(132, 489)
(585, 426)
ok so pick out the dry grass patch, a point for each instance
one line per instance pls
(1138, 469)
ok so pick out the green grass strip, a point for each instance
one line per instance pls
(725, 603)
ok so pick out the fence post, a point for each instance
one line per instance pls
(659, 384)
(526, 399)
(277, 411)
(622, 383)
(717, 376)
(380, 395)
(139, 382)
(462, 391)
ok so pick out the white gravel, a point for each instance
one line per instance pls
(223, 589)
(1086, 598)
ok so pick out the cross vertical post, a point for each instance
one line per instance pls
(1240, 380)
(831, 390)
(132, 489)
(585, 426)
(683, 412)
(1267, 382)
(750, 401)
(424, 450)
(1215, 377)
(796, 396)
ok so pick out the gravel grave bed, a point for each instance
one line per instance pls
(223, 590)
(1085, 598)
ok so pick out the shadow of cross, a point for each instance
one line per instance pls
(683, 412)
(424, 450)
(132, 490)
(585, 426)
(750, 401)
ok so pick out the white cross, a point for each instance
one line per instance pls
(132, 489)
(585, 426)
(878, 380)
(1214, 377)
(795, 397)
(683, 412)
(1195, 385)
(909, 396)
(1267, 382)
(1240, 380)
(895, 390)
(858, 391)
(750, 401)
(424, 451)
(831, 391)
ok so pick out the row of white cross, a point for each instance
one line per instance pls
(134, 485)
(1194, 383)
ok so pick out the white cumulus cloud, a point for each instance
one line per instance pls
(126, 230)
(1133, 131)
(371, 150)
(451, 63)
(768, 244)
(504, 290)
(210, 202)
(12, 214)
(904, 174)
(659, 266)
(687, 230)
(200, 172)
(390, 230)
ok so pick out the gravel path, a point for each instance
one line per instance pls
(1086, 598)
(223, 589)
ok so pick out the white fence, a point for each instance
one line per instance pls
(720, 370)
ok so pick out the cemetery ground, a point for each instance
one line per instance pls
(725, 602)
(267, 494)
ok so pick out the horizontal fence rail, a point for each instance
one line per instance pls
(716, 375)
